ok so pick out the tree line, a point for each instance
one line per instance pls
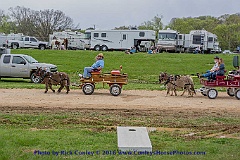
(44, 22)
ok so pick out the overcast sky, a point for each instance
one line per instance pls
(107, 14)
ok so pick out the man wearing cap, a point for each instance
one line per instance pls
(98, 65)
(209, 73)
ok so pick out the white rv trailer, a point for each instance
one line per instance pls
(171, 40)
(76, 40)
(119, 39)
(202, 39)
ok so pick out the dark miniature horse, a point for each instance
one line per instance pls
(57, 78)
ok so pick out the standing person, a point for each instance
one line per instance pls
(209, 73)
(66, 43)
(98, 65)
(220, 69)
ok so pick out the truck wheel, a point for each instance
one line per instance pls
(212, 93)
(97, 48)
(237, 94)
(88, 88)
(115, 89)
(34, 78)
(42, 47)
(14, 46)
(230, 92)
(104, 48)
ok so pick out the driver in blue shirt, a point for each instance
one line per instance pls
(98, 65)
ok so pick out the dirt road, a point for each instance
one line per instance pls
(129, 99)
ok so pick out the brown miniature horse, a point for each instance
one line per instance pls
(57, 78)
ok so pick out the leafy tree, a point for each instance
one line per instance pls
(39, 23)
(154, 24)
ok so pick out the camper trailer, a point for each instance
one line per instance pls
(172, 41)
(119, 39)
(206, 41)
(76, 40)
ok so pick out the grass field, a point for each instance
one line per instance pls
(37, 133)
(143, 69)
(42, 133)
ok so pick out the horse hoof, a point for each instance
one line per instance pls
(45, 92)
(53, 91)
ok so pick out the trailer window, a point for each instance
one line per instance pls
(104, 35)
(167, 36)
(124, 36)
(6, 59)
(95, 35)
(196, 39)
(141, 34)
(210, 39)
(180, 37)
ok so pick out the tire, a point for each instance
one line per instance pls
(88, 89)
(212, 93)
(104, 48)
(42, 47)
(237, 94)
(14, 46)
(34, 78)
(115, 89)
(97, 48)
(230, 92)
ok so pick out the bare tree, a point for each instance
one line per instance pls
(39, 23)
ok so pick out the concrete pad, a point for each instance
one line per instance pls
(133, 139)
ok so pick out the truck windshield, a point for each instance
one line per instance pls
(167, 36)
(30, 59)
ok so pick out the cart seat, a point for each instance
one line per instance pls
(96, 71)
(220, 77)
(115, 72)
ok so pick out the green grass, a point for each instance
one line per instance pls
(24, 131)
(24, 134)
(143, 69)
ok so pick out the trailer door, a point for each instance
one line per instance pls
(124, 41)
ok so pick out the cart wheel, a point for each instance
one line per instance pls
(115, 89)
(212, 93)
(88, 88)
(230, 92)
(237, 94)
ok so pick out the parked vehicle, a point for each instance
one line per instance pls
(119, 39)
(21, 66)
(27, 42)
(76, 40)
(226, 52)
(173, 41)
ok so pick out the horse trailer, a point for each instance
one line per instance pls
(119, 39)
(76, 40)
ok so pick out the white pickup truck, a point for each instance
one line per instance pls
(27, 42)
(21, 66)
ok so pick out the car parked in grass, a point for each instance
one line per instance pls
(21, 66)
